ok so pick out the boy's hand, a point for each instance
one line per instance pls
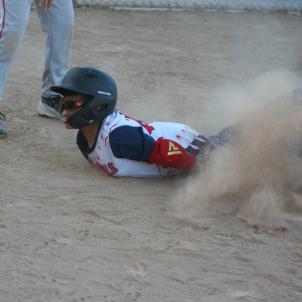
(46, 3)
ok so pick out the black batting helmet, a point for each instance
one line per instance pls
(100, 89)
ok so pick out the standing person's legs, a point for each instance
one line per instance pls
(58, 23)
(14, 16)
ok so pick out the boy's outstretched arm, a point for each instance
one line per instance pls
(132, 143)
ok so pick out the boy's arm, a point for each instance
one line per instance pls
(132, 143)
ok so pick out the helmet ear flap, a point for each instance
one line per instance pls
(100, 108)
(80, 119)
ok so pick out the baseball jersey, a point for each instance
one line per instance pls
(123, 145)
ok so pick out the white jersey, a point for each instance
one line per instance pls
(102, 155)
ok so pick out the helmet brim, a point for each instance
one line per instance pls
(62, 90)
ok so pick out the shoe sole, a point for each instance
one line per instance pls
(47, 116)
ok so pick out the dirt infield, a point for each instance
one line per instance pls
(69, 233)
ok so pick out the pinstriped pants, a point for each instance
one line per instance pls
(57, 23)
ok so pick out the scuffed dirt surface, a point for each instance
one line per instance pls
(69, 233)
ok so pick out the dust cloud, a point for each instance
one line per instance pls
(257, 174)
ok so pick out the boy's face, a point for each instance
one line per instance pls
(70, 105)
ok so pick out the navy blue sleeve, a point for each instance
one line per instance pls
(131, 142)
(82, 143)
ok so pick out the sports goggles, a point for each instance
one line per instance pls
(71, 105)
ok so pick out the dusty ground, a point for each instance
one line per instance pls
(69, 233)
